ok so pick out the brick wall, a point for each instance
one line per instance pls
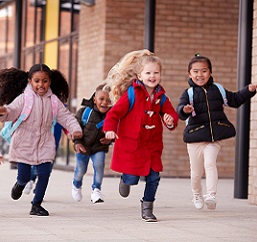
(114, 27)
(252, 191)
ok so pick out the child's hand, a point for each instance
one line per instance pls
(167, 118)
(188, 109)
(1, 160)
(111, 135)
(252, 87)
(105, 141)
(79, 148)
(77, 135)
(3, 110)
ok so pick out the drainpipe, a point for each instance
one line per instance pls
(17, 36)
(149, 24)
(243, 114)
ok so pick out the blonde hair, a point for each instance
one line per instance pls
(122, 74)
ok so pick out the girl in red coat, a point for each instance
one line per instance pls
(137, 130)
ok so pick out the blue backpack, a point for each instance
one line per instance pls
(86, 115)
(190, 92)
(131, 96)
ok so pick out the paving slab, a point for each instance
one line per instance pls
(118, 219)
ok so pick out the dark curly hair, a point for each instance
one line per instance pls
(13, 81)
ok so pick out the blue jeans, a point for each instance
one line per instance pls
(43, 172)
(98, 161)
(151, 184)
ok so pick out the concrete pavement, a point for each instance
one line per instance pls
(118, 219)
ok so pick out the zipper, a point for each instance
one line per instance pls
(196, 129)
(40, 127)
(209, 115)
(223, 124)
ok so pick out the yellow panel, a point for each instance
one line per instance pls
(51, 32)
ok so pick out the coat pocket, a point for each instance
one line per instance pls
(223, 129)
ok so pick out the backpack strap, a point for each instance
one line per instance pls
(54, 103)
(190, 92)
(223, 93)
(131, 97)
(28, 103)
(86, 115)
(163, 99)
(100, 124)
(9, 127)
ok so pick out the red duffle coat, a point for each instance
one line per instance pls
(139, 144)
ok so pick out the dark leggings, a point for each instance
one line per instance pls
(43, 172)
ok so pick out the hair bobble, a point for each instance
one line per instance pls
(197, 55)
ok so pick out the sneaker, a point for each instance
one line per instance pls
(96, 196)
(38, 210)
(124, 189)
(28, 187)
(16, 191)
(76, 193)
(210, 201)
(198, 201)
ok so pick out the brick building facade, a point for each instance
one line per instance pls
(112, 28)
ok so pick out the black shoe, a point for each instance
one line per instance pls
(16, 191)
(38, 210)
(124, 189)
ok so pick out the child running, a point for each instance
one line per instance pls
(207, 125)
(93, 145)
(138, 130)
(57, 135)
(33, 143)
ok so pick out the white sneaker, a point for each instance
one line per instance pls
(96, 196)
(198, 201)
(76, 193)
(28, 187)
(210, 201)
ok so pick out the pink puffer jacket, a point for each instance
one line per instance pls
(33, 142)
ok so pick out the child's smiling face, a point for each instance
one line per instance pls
(102, 101)
(40, 82)
(150, 75)
(200, 73)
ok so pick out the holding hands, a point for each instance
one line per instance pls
(111, 135)
(77, 135)
(105, 141)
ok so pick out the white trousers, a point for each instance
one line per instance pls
(203, 158)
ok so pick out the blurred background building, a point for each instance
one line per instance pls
(85, 38)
